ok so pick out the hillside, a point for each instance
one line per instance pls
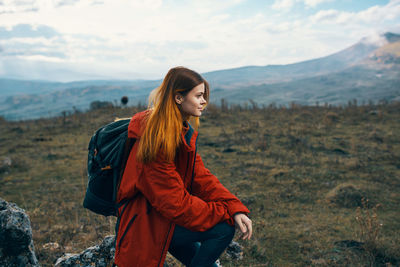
(252, 75)
(386, 55)
(362, 83)
(302, 171)
(370, 76)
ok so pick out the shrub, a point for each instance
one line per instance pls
(100, 104)
(331, 117)
(369, 229)
(346, 196)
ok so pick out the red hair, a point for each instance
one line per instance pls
(162, 132)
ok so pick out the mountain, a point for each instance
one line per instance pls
(368, 70)
(72, 96)
(357, 82)
(12, 87)
(253, 75)
(368, 75)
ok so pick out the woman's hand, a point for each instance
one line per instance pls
(244, 224)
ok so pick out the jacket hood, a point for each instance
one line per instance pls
(138, 122)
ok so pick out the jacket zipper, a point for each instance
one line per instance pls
(165, 244)
(170, 225)
(126, 230)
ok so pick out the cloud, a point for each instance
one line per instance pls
(32, 42)
(375, 15)
(60, 3)
(314, 3)
(26, 30)
(114, 36)
(212, 6)
(283, 4)
(288, 4)
(31, 47)
(326, 15)
(18, 6)
(24, 6)
(375, 39)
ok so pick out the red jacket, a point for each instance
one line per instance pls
(164, 196)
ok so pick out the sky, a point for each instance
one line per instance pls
(130, 39)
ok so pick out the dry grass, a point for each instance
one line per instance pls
(284, 163)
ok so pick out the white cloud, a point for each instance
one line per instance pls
(375, 38)
(314, 3)
(374, 15)
(288, 4)
(283, 4)
(211, 6)
(115, 36)
(326, 15)
(15, 6)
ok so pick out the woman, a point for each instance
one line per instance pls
(178, 206)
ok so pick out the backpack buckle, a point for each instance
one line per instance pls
(108, 167)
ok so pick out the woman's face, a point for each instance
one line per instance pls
(193, 103)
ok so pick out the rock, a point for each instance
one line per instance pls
(100, 256)
(103, 255)
(51, 246)
(7, 162)
(16, 244)
(234, 251)
(5, 165)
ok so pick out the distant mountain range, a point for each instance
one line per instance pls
(367, 71)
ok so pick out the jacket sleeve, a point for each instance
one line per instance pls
(207, 187)
(163, 187)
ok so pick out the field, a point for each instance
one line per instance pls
(322, 182)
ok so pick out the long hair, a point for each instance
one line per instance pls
(164, 122)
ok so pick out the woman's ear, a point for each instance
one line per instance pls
(178, 99)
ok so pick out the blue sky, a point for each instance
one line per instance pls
(128, 39)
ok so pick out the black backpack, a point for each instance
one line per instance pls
(109, 150)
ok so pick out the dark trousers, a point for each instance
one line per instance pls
(197, 249)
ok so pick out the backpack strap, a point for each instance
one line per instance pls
(127, 149)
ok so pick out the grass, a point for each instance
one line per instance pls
(290, 166)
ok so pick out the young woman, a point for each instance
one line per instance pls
(175, 203)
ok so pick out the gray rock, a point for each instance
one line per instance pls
(100, 256)
(103, 255)
(16, 244)
(234, 251)
(5, 165)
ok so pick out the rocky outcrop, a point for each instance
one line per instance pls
(16, 244)
(5, 165)
(17, 250)
(100, 256)
(234, 251)
(103, 255)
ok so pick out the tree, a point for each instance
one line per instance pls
(124, 100)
